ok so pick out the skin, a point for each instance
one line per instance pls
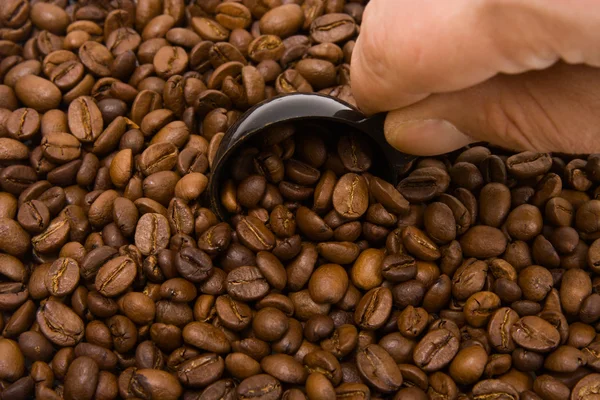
(518, 73)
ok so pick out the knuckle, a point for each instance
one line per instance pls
(518, 118)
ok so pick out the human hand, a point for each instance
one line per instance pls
(517, 73)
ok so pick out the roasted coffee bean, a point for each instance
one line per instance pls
(85, 120)
(193, 264)
(34, 216)
(424, 184)
(246, 284)
(483, 241)
(254, 234)
(534, 333)
(206, 337)
(350, 196)
(328, 283)
(144, 382)
(115, 276)
(418, 244)
(374, 308)
(497, 387)
(152, 233)
(332, 28)
(270, 324)
(82, 378)
(284, 368)
(61, 147)
(528, 164)
(399, 268)
(96, 57)
(60, 324)
(62, 277)
(265, 385)
(378, 368)
(435, 350)
(366, 271)
(37, 93)
(272, 269)
(311, 225)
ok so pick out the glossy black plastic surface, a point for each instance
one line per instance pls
(295, 107)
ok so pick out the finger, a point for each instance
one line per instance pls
(551, 110)
(407, 50)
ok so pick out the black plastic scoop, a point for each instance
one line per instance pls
(301, 107)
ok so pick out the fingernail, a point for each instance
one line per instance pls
(425, 137)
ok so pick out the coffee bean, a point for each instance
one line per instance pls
(412, 321)
(332, 28)
(366, 271)
(253, 234)
(13, 362)
(282, 21)
(435, 350)
(439, 222)
(284, 368)
(350, 196)
(63, 277)
(34, 216)
(170, 61)
(206, 337)
(270, 324)
(475, 357)
(311, 225)
(193, 264)
(575, 287)
(424, 184)
(528, 164)
(483, 241)
(144, 382)
(138, 307)
(418, 244)
(328, 283)
(378, 368)
(82, 378)
(589, 383)
(23, 124)
(524, 222)
(399, 268)
(61, 147)
(479, 307)
(291, 81)
(60, 324)
(96, 57)
(485, 387)
(152, 233)
(38, 93)
(534, 333)
(374, 308)
(355, 152)
(246, 284)
(272, 269)
(386, 194)
(13, 239)
(20, 321)
(115, 276)
(266, 386)
(251, 190)
(215, 239)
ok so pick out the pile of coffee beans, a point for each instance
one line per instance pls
(477, 276)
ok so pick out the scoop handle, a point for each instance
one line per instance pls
(374, 127)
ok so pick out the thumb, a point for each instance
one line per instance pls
(551, 110)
